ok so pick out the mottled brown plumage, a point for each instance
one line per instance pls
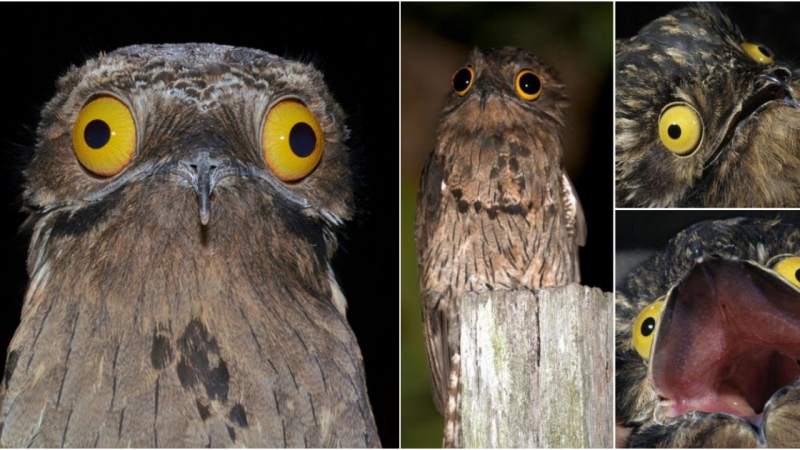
(143, 326)
(722, 267)
(749, 152)
(495, 208)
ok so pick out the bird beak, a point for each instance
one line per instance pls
(202, 176)
(727, 341)
(775, 86)
(769, 88)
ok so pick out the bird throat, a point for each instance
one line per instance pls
(132, 308)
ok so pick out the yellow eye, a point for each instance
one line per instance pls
(680, 128)
(789, 268)
(462, 80)
(104, 136)
(292, 140)
(759, 53)
(528, 85)
(644, 328)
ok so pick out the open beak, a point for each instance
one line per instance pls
(727, 341)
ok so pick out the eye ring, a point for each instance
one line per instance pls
(680, 128)
(528, 85)
(778, 258)
(760, 53)
(104, 135)
(292, 140)
(787, 266)
(463, 79)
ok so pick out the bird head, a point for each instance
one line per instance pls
(187, 151)
(704, 116)
(504, 87)
(201, 116)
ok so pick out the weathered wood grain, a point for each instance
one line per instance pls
(537, 368)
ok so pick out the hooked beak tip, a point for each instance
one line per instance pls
(204, 203)
(202, 172)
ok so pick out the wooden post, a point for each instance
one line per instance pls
(536, 368)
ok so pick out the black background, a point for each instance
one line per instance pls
(641, 232)
(772, 24)
(355, 46)
(595, 192)
(648, 229)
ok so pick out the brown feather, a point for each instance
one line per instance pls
(493, 211)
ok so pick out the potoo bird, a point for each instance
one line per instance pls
(495, 208)
(705, 117)
(708, 339)
(184, 204)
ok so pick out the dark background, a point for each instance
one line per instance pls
(641, 232)
(576, 39)
(648, 229)
(772, 24)
(354, 45)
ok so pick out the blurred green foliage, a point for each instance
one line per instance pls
(421, 424)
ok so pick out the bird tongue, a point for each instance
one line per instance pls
(728, 338)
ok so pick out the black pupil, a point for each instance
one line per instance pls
(765, 51)
(797, 275)
(302, 139)
(462, 80)
(674, 131)
(648, 326)
(97, 134)
(529, 83)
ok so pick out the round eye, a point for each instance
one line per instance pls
(680, 129)
(292, 140)
(462, 80)
(644, 328)
(104, 136)
(789, 268)
(759, 53)
(528, 85)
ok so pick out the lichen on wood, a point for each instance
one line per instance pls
(537, 368)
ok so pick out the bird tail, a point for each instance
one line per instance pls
(452, 416)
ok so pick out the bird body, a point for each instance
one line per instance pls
(706, 339)
(704, 117)
(495, 207)
(188, 300)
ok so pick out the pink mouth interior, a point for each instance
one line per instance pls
(727, 341)
(739, 386)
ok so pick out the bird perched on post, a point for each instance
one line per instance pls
(184, 204)
(704, 117)
(495, 208)
(708, 339)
